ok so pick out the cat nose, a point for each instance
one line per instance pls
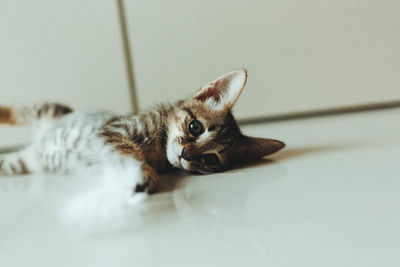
(185, 155)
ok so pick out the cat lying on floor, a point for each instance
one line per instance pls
(198, 134)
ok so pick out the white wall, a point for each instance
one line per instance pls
(66, 51)
(301, 55)
(69, 51)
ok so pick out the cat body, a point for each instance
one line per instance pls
(198, 134)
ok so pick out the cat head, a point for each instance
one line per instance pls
(203, 135)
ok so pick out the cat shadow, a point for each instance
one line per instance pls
(171, 181)
(9, 149)
(296, 152)
(175, 179)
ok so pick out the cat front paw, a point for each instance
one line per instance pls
(151, 180)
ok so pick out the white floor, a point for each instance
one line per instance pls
(331, 198)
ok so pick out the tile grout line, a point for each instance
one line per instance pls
(321, 112)
(127, 55)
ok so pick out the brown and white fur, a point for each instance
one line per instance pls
(156, 140)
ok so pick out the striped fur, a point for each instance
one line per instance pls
(31, 114)
(159, 138)
(6, 115)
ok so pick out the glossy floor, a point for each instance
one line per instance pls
(331, 198)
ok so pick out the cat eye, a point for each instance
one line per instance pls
(211, 159)
(195, 128)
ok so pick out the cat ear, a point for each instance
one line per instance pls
(224, 91)
(253, 148)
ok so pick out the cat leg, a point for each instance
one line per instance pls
(151, 180)
(19, 162)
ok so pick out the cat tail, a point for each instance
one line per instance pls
(34, 113)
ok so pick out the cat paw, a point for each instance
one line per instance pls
(150, 182)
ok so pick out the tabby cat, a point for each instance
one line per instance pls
(198, 134)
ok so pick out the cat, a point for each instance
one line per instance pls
(198, 134)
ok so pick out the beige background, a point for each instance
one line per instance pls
(301, 55)
(66, 51)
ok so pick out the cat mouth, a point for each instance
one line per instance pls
(179, 161)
